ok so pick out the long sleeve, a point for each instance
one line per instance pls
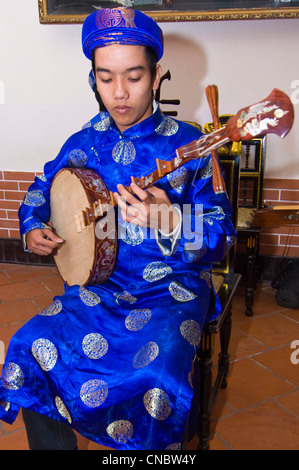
(206, 231)
(210, 219)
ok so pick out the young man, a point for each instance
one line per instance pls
(114, 361)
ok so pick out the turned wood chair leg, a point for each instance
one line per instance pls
(223, 361)
(251, 274)
(205, 365)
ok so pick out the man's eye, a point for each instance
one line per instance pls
(133, 79)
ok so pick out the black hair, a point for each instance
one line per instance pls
(152, 60)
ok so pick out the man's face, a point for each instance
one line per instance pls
(125, 84)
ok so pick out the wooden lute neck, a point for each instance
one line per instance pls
(194, 150)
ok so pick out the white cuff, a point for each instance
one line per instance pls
(168, 243)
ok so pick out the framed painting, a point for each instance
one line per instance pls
(75, 11)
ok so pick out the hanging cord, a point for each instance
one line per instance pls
(280, 269)
(287, 243)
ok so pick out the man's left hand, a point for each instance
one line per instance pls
(147, 208)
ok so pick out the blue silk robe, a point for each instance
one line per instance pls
(114, 360)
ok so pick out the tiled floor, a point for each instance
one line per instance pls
(260, 407)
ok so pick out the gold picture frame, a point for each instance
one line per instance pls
(57, 11)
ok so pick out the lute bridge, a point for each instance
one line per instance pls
(88, 215)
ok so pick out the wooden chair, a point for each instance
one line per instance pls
(225, 281)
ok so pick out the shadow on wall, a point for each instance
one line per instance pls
(187, 63)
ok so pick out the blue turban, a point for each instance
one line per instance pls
(120, 26)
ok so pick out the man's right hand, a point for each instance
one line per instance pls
(42, 241)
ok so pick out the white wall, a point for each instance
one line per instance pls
(44, 92)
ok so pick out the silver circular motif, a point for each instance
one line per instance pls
(180, 293)
(45, 353)
(156, 271)
(131, 234)
(102, 125)
(34, 198)
(120, 431)
(167, 127)
(62, 409)
(178, 179)
(137, 319)
(174, 446)
(207, 171)
(191, 331)
(77, 158)
(88, 298)
(146, 355)
(94, 346)
(124, 152)
(12, 377)
(53, 309)
(157, 404)
(93, 393)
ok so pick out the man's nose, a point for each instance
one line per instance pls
(120, 90)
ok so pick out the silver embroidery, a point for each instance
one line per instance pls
(137, 319)
(131, 234)
(12, 376)
(94, 346)
(181, 293)
(120, 431)
(146, 355)
(124, 152)
(34, 198)
(102, 125)
(53, 309)
(62, 409)
(77, 158)
(157, 404)
(191, 331)
(88, 298)
(45, 353)
(207, 171)
(156, 271)
(93, 393)
(167, 127)
(178, 179)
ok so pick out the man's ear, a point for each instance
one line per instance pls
(157, 78)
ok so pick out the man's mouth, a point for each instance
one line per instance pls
(122, 109)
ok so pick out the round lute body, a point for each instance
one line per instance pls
(78, 199)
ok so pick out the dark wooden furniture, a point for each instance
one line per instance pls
(207, 388)
(253, 154)
(225, 282)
